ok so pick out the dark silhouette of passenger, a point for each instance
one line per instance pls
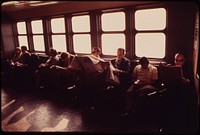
(61, 74)
(145, 76)
(43, 74)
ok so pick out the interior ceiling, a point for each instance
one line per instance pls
(17, 9)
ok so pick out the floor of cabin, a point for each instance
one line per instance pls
(47, 110)
(27, 109)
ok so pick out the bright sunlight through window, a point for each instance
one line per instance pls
(58, 25)
(82, 43)
(150, 45)
(21, 28)
(23, 41)
(37, 27)
(150, 19)
(111, 42)
(59, 43)
(38, 41)
(113, 21)
(81, 23)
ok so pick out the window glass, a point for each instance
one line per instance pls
(37, 27)
(82, 43)
(59, 43)
(38, 41)
(150, 19)
(111, 42)
(113, 21)
(58, 25)
(23, 41)
(81, 23)
(21, 28)
(150, 45)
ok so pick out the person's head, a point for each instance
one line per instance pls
(64, 56)
(120, 53)
(52, 52)
(179, 59)
(144, 62)
(23, 48)
(96, 51)
(18, 50)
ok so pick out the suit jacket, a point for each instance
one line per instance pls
(124, 65)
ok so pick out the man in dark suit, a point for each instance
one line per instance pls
(122, 68)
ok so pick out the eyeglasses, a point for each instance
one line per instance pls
(179, 60)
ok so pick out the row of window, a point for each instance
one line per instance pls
(148, 32)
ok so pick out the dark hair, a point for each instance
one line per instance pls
(24, 47)
(143, 60)
(53, 52)
(63, 55)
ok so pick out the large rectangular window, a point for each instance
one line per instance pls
(113, 37)
(22, 34)
(150, 38)
(81, 34)
(38, 35)
(58, 34)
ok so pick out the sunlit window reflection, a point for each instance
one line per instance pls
(110, 43)
(82, 43)
(150, 45)
(150, 19)
(113, 21)
(58, 25)
(38, 41)
(59, 43)
(81, 23)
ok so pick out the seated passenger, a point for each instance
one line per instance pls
(97, 60)
(144, 78)
(180, 98)
(179, 60)
(43, 74)
(10, 65)
(18, 67)
(16, 57)
(60, 72)
(25, 57)
(122, 68)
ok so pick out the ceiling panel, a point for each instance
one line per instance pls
(30, 9)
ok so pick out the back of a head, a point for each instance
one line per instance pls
(64, 55)
(53, 52)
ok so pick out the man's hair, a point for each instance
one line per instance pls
(143, 60)
(121, 49)
(24, 47)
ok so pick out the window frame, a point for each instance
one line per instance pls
(81, 33)
(51, 33)
(135, 32)
(101, 32)
(37, 34)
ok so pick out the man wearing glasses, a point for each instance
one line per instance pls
(179, 60)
